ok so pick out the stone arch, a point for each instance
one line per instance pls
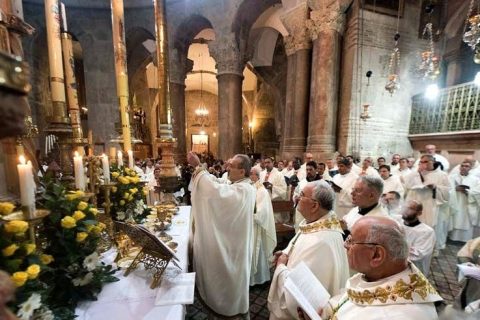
(187, 30)
(137, 52)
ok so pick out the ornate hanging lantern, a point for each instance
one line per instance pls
(471, 32)
(393, 68)
(430, 65)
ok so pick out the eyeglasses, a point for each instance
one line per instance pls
(349, 242)
(425, 161)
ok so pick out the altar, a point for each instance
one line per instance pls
(131, 297)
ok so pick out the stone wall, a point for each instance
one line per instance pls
(386, 131)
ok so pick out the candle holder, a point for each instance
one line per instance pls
(33, 220)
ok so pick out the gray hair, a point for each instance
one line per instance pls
(323, 194)
(245, 163)
(391, 237)
(429, 156)
(373, 183)
(256, 171)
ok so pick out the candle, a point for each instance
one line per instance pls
(106, 169)
(120, 159)
(79, 172)
(27, 187)
(130, 159)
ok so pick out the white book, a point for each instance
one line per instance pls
(307, 290)
(469, 270)
(177, 290)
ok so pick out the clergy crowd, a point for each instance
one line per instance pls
(367, 232)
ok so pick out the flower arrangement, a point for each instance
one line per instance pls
(72, 234)
(20, 259)
(128, 196)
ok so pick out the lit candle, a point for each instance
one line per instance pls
(27, 187)
(106, 169)
(120, 159)
(130, 159)
(79, 172)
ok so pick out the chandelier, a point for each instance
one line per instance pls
(471, 32)
(201, 113)
(393, 67)
(429, 67)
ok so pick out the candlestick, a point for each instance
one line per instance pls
(130, 159)
(27, 187)
(120, 159)
(106, 169)
(79, 172)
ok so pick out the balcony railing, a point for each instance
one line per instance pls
(455, 109)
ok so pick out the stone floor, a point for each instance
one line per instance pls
(442, 275)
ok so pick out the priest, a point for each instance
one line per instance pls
(319, 244)
(264, 235)
(430, 188)
(274, 181)
(390, 182)
(342, 184)
(222, 238)
(464, 202)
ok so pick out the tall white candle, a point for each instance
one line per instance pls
(27, 186)
(106, 169)
(79, 172)
(130, 159)
(120, 159)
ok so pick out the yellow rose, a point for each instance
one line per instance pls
(30, 248)
(130, 199)
(19, 278)
(126, 195)
(95, 230)
(16, 226)
(123, 180)
(10, 250)
(101, 225)
(69, 222)
(115, 174)
(82, 205)
(46, 259)
(132, 173)
(114, 189)
(78, 215)
(6, 208)
(145, 191)
(122, 202)
(94, 211)
(132, 190)
(81, 236)
(74, 195)
(33, 271)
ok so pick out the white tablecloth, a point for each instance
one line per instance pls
(131, 297)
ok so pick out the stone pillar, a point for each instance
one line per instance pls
(179, 67)
(325, 28)
(230, 77)
(298, 50)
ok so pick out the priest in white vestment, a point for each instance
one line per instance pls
(367, 169)
(390, 182)
(264, 234)
(430, 187)
(274, 181)
(387, 286)
(342, 185)
(366, 198)
(302, 172)
(420, 237)
(464, 203)
(223, 236)
(431, 149)
(319, 244)
(288, 171)
(312, 175)
(403, 170)
(395, 164)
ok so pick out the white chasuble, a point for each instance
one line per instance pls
(343, 199)
(276, 178)
(405, 295)
(464, 208)
(222, 241)
(264, 237)
(352, 216)
(393, 183)
(320, 246)
(421, 242)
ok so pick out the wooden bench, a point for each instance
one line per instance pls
(284, 229)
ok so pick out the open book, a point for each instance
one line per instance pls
(307, 290)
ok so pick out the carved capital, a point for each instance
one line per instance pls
(321, 21)
(227, 55)
(180, 65)
(294, 21)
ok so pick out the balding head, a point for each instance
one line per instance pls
(430, 149)
(377, 247)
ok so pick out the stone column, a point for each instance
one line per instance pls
(230, 77)
(179, 67)
(326, 28)
(298, 50)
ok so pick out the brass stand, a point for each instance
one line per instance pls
(39, 215)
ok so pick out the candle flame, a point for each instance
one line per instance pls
(130, 151)
(76, 153)
(22, 159)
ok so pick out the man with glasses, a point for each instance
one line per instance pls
(387, 286)
(222, 216)
(319, 244)
(430, 187)
(366, 195)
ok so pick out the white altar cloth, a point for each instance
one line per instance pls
(131, 298)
